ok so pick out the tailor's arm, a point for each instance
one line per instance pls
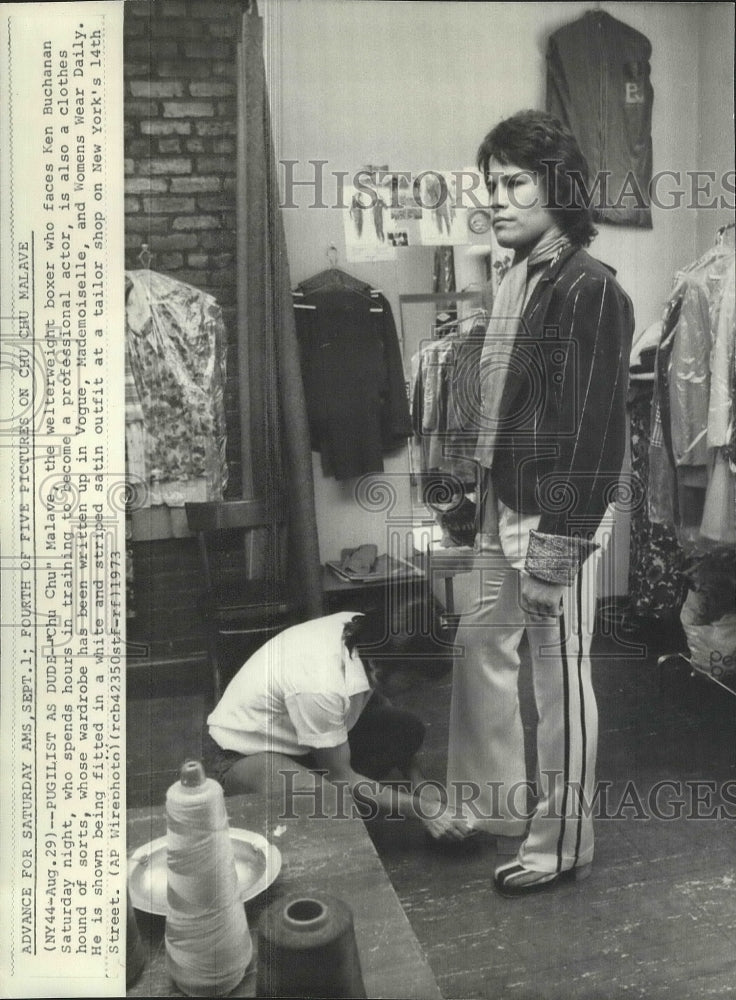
(423, 804)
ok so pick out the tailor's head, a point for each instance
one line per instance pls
(398, 644)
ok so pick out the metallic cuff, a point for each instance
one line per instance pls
(556, 558)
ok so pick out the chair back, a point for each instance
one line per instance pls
(240, 538)
(242, 547)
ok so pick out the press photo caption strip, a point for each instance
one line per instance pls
(62, 469)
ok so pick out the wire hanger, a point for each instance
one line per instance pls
(335, 277)
(145, 257)
(720, 233)
(459, 322)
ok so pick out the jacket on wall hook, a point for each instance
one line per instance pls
(598, 86)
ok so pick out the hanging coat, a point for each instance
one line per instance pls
(353, 376)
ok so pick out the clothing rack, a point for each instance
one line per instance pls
(438, 299)
(455, 323)
(727, 683)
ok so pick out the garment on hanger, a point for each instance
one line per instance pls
(691, 479)
(656, 584)
(431, 368)
(441, 455)
(722, 361)
(352, 372)
(661, 481)
(692, 431)
(445, 400)
(175, 341)
(135, 446)
(719, 509)
(445, 406)
(443, 269)
(598, 85)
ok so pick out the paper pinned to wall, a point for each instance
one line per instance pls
(385, 210)
(366, 216)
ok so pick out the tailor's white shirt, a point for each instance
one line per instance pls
(300, 691)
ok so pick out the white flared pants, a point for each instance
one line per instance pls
(486, 759)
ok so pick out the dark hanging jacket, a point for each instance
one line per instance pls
(598, 85)
(354, 382)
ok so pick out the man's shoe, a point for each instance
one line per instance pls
(515, 879)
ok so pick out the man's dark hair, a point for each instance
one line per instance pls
(539, 142)
(401, 634)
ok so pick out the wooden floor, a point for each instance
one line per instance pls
(657, 918)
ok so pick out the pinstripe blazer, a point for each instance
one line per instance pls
(563, 421)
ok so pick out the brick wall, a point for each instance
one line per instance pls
(180, 143)
(180, 140)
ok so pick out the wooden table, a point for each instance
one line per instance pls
(365, 595)
(327, 855)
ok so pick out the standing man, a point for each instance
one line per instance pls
(552, 429)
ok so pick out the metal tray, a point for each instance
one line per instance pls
(147, 870)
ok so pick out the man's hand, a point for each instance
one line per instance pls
(445, 824)
(540, 599)
(447, 827)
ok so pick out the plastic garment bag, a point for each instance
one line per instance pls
(176, 353)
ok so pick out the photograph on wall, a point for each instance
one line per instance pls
(367, 222)
(444, 209)
(369, 232)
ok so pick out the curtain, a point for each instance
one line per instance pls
(275, 447)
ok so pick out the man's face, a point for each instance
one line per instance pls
(518, 199)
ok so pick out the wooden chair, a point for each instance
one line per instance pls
(243, 556)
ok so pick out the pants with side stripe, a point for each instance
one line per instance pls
(486, 758)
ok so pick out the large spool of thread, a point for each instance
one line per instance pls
(208, 944)
(306, 948)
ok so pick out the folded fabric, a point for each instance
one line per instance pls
(360, 560)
